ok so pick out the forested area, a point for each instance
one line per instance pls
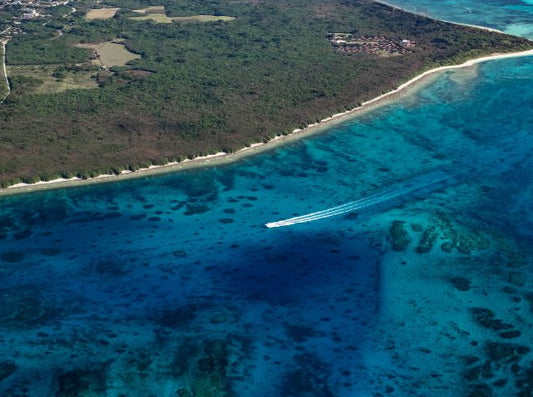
(200, 88)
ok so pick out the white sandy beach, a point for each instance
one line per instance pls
(224, 158)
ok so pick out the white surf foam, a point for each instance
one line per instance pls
(432, 180)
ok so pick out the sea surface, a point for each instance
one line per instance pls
(511, 16)
(409, 274)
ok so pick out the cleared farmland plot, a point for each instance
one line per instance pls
(111, 53)
(115, 54)
(157, 18)
(162, 18)
(203, 18)
(101, 13)
(153, 9)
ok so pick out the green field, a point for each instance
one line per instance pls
(151, 9)
(158, 14)
(115, 54)
(162, 18)
(110, 53)
(155, 17)
(201, 88)
(53, 79)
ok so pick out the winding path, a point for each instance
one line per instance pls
(4, 42)
(70, 13)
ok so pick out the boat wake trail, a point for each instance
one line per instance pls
(421, 184)
(493, 160)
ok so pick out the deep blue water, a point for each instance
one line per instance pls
(172, 285)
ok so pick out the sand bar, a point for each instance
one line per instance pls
(225, 158)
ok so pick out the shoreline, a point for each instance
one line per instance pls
(222, 158)
(423, 14)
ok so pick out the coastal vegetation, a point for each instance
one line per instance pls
(201, 88)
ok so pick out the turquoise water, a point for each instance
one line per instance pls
(511, 16)
(172, 285)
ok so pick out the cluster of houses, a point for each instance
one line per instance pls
(380, 45)
(26, 10)
(29, 8)
(33, 3)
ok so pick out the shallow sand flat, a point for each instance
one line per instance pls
(431, 301)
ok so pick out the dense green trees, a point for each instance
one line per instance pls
(202, 87)
(40, 45)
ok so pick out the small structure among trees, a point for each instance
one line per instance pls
(379, 45)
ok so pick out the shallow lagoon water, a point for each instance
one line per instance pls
(172, 285)
(511, 16)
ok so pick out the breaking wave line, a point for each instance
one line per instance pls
(432, 180)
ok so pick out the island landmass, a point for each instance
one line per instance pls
(101, 89)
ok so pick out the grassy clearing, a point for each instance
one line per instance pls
(52, 82)
(101, 13)
(111, 53)
(203, 18)
(115, 54)
(151, 10)
(157, 18)
(162, 18)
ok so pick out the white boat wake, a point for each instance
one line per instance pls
(432, 181)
